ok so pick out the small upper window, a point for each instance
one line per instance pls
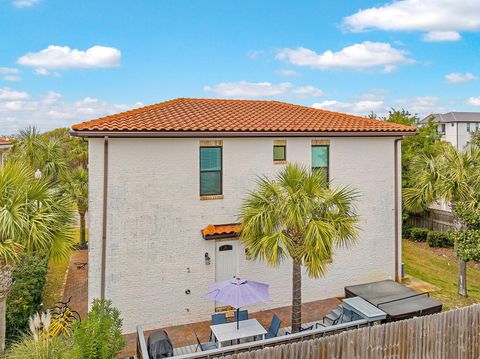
(468, 127)
(320, 159)
(279, 153)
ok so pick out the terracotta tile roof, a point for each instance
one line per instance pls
(221, 229)
(5, 141)
(212, 115)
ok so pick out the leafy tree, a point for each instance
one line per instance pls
(425, 142)
(34, 216)
(299, 216)
(99, 336)
(469, 237)
(25, 296)
(451, 176)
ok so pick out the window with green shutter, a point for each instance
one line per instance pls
(210, 171)
(320, 159)
(279, 153)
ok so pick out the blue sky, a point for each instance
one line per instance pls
(64, 61)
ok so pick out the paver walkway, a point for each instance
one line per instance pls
(76, 284)
(182, 335)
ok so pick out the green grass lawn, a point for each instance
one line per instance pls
(52, 292)
(442, 272)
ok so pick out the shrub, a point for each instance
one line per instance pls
(407, 231)
(439, 239)
(39, 344)
(25, 297)
(99, 336)
(419, 234)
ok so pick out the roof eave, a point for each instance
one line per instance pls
(210, 134)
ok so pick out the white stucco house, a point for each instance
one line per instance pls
(166, 182)
(456, 127)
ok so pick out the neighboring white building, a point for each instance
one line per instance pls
(5, 144)
(166, 182)
(456, 127)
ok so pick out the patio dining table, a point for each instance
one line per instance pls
(228, 331)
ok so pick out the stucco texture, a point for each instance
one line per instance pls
(155, 250)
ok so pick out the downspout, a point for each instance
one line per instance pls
(397, 210)
(104, 218)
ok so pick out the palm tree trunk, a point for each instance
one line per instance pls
(462, 277)
(462, 265)
(296, 296)
(5, 285)
(3, 320)
(83, 241)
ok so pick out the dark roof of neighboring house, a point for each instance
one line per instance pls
(4, 141)
(231, 117)
(453, 117)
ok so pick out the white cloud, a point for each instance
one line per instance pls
(474, 101)
(438, 36)
(311, 91)
(8, 70)
(358, 56)
(244, 89)
(24, 3)
(421, 105)
(50, 110)
(7, 94)
(63, 57)
(249, 89)
(287, 72)
(44, 72)
(12, 78)
(362, 108)
(440, 18)
(458, 78)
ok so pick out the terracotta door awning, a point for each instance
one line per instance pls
(221, 231)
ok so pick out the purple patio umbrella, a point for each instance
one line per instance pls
(238, 293)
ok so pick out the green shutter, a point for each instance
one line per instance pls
(279, 153)
(210, 159)
(210, 171)
(319, 156)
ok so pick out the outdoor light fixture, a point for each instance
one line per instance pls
(207, 259)
(38, 174)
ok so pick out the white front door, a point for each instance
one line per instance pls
(226, 262)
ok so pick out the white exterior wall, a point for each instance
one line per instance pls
(155, 251)
(456, 133)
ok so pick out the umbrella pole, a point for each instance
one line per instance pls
(238, 319)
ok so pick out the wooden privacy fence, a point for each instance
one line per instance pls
(447, 335)
(434, 219)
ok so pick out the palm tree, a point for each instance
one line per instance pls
(34, 216)
(298, 216)
(451, 176)
(76, 183)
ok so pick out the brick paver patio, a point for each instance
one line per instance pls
(182, 335)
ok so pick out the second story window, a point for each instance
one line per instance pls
(279, 153)
(468, 127)
(210, 171)
(320, 159)
(441, 129)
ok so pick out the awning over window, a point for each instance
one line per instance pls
(221, 231)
